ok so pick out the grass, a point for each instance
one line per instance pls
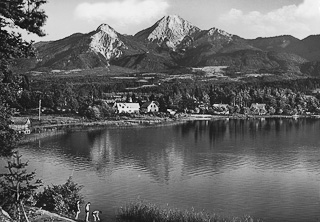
(140, 211)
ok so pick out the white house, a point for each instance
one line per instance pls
(150, 107)
(21, 125)
(127, 107)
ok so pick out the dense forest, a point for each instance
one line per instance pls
(93, 97)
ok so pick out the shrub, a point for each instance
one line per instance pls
(61, 199)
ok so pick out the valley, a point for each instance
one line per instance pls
(175, 64)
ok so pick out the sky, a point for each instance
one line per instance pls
(245, 18)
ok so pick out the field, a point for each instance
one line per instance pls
(123, 79)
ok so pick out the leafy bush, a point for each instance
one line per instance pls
(61, 199)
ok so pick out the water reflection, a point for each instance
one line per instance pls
(263, 167)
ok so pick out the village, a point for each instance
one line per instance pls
(121, 113)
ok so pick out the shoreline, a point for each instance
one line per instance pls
(46, 130)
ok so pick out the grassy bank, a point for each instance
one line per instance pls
(145, 212)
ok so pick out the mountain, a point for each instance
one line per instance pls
(173, 42)
(168, 31)
(308, 48)
(312, 48)
(311, 68)
(277, 43)
(94, 49)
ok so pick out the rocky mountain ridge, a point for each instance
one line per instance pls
(170, 30)
(174, 42)
(107, 42)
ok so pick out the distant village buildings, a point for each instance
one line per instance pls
(147, 107)
(22, 125)
(150, 107)
(220, 109)
(127, 107)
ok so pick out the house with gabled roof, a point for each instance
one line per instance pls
(150, 107)
(127, 107)
(22, 125)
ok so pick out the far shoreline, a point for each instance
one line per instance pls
(46, 130)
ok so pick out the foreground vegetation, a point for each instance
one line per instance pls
(146, 212)
(19, 192)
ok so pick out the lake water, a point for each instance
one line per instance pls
(269, 169)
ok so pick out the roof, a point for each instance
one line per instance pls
(21, 121)
(146, 104)
(130, 105)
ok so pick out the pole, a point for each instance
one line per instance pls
(39, 109)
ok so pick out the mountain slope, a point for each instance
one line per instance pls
(94, 49)
(311, 68)
(312, 48)
(168, 31)
(308, 48)
(174, 42)
(277, 43)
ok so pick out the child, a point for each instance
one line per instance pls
(95, 215)
(87, 210)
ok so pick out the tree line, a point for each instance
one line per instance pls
(85, 99)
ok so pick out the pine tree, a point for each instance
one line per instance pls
(17, 186)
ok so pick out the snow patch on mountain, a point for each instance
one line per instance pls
(171, 30)
(106, 41)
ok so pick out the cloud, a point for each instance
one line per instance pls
(121, 13)
(297, 20)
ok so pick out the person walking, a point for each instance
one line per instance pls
(78, 210)
(87, 210)
(95, 215)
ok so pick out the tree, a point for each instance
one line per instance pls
(18, 14)
(8, 136)
(17, 186)
(61, 199)
(23, 15)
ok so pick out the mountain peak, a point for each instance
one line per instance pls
(108, 30)
(107, 42)
(214, 31)
(170, 29)
(172, 18)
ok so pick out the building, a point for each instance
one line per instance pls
(150, 107)
(171, 111)
(220, 109)
(315, 91)
(258, 108)
(127, 107)
(21, 125)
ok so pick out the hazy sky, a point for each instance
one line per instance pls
(246, 18)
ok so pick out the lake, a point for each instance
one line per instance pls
(266, 168)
